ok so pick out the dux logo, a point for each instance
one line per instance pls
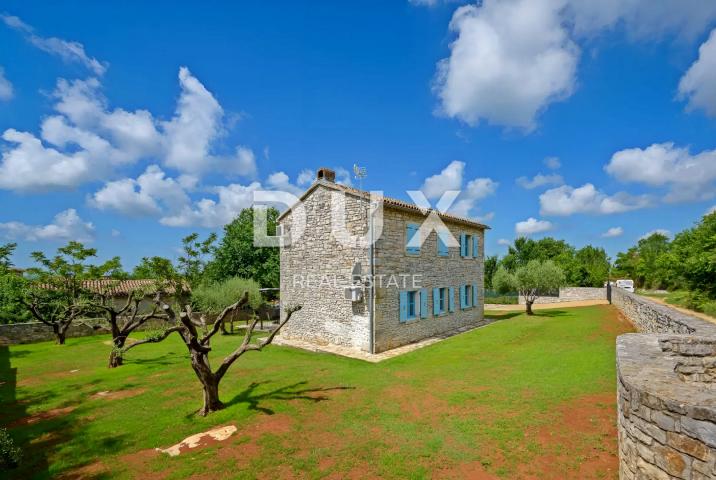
(370, 213)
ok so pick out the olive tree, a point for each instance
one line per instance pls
(530, 280)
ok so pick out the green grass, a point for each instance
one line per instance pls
(476, 397)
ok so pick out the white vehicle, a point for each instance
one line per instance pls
(626, 284)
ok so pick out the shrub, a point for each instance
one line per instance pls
(10, 455)
(213, 297)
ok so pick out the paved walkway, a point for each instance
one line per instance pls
(368, 357)
(545, 306)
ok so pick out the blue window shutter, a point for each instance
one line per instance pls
(475, 246)
(436, 301)
(403, 306)
(424, 303)
(474, 295)
(463, 245)
(451, 299)
(442, 247)
(410, 230)
(462, 297)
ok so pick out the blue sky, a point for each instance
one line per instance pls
(129, 125)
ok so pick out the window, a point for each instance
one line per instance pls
(412, 239)
(442, 246)
(466, 296)
(469, 246)
(440, 300)
(413, 304)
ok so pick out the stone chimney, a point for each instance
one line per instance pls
(326, 174)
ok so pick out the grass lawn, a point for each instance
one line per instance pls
(521, 398)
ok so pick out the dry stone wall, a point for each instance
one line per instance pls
(666, 393)
(572, 294)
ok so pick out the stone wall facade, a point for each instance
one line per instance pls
(316, 268)
(327, 317)
(666, 383)
(433, 271)
(572, 294)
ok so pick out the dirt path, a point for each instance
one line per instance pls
(700, 315)
(545, 306)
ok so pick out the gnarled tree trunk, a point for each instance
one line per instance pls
(528, 304)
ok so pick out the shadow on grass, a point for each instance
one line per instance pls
(503, 315)
(289, 392)
(550, 313)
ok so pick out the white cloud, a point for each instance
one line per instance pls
(641, 19)
(65, 226)
(688, 177)
(613, 232)
(306, 177)
(540, 180)
(210, 213)
(280, 181)
(29, 166)
(532, 226)
(450, 178)
(658, 231)
(504, 242)
(567, 200)
(6, 90)
(115, 233)
(196, 124)
(86, 140)
(424, 3)
(68, 51)
(343, 177)
(552, 163)
(149, 195)
(698, 85)
(711, 210)
(509, 61)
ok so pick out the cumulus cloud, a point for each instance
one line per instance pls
(280, 181)
(688, 177)
(306, 177)
(711, 210)
(504, 242)
(6, 90)
(87, 140)
(532, 226)
(68, 51)
(552, 163)
(613, 232)
(658, 231)
(451, 179)
(66, 225)
(211, 213)
(510, 59)
(698, 85)
(151, 194)
(539, 180)
(567, 200)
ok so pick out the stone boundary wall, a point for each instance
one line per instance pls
(31, 332)
(651, 317)
(572, 294)
(666, 384)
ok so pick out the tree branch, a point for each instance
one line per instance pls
(217, 323)
(246, 345)
(158, 339)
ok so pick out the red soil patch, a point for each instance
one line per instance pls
(580, 443)
(42, 416)
(86, 472)
(466, 471)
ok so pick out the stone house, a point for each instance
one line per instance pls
(410, 284)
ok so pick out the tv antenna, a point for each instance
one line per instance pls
(360, 173)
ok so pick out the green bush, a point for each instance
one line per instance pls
(213, 297)
(10, 455)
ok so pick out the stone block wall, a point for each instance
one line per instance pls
(31, 332)
(666, 384)
(316, 268)
(432, 271)
(572, 294)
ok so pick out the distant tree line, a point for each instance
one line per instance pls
(584, 267)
